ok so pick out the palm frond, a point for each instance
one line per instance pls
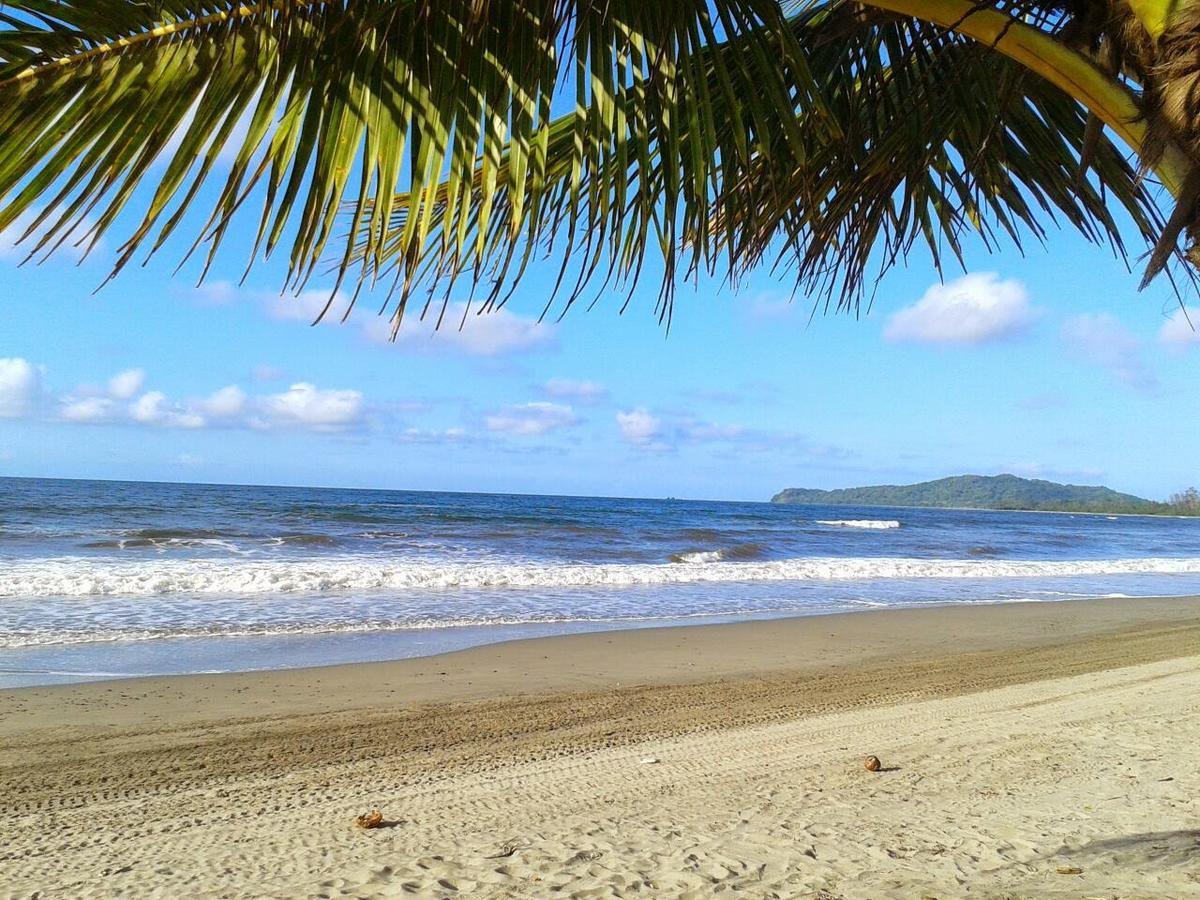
(422, 141)
(945, 138)
(934, 137)
(325, 102)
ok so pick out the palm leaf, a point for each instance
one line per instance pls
(935, 137)
(415, 141)
(322, 103)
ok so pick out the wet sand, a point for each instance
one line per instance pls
(1017, 740)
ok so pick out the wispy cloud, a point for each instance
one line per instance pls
(667, 432)
(303, 307)
(435, 436)
(495, 333)
(578, 391)
(531, 419)
(974, 309)
(662, 431)
(214, 293)
(463, 330)
(87, 410)
(1101, 340)
(770, 305)
(1181, 331)
(266, 373)
(712, 431)
(757, 392)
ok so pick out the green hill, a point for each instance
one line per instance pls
(983, 492)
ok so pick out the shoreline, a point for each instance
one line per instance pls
(113, 660)
(655, 657)
(664, 762)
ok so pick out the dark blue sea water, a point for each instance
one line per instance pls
(101, 579)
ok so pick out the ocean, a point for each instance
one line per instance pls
(112, 579)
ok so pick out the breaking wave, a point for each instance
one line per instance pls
(860, 523)
(81, 577)
(741, 551)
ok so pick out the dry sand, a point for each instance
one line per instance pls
(1017, 741)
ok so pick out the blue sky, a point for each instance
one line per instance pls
(1047, 365)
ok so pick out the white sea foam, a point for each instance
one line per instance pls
(701, 556)
(83, 577)
(860, 523)
(46, 638)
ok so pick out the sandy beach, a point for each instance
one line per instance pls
(1029, 750)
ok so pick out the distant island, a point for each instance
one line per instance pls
(997, 492)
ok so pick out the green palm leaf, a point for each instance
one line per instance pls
(937, 137)
(424, 141)
(344, 102)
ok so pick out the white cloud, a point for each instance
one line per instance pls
(285, 307)
(186, 420)
(149, 408)
(124, 385)
(121, 402)
(306, 405)
(1101, 339)
(20, 387)
(974, 309)
(668, 432)
(532, 418)
(580, 391)
(87, 409)
(189, 459)
(226, 403)
(492, 333)
(638, 426)
(153, 408)
(1182, 330)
